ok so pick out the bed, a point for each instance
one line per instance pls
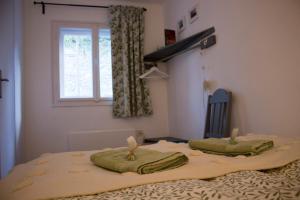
(274, 174)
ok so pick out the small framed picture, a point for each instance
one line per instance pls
(194, 14)
(181, 24)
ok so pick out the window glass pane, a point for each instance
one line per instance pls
(105, 64)
(76, 68)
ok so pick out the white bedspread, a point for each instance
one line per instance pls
(72, 173)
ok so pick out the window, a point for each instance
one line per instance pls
(75, 63)
(81, 64)
(105, 63)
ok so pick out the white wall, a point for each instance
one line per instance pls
(7, 115)
(11, 101)
(257, 57)
(18, 59)
(46, 126)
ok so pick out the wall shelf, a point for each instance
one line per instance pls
(166, 53)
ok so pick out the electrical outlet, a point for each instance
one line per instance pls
(140, 136)
(206, 85)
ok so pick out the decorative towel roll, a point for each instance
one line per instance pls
(223, 147)
(147, 161)
(132, 146)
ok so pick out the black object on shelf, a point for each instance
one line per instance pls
(169, 139)
(208, 42)
(169, 51)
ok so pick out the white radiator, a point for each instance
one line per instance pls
(99, 139)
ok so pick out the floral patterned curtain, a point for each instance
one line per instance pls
(131, 96)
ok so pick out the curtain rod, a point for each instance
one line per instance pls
(64, 4)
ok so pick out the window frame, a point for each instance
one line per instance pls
(96, 100)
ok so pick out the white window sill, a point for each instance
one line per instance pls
(82, 103)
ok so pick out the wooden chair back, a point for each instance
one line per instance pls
(218, 114)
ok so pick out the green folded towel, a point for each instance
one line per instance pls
(147, 161)
(223, 147)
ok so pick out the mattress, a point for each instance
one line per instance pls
(71, 175)
(279, 183)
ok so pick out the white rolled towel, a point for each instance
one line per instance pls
(233, 136)
(132, 145)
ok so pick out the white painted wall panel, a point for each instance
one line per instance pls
(98, 139)
(46, 127)
(256, 57)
